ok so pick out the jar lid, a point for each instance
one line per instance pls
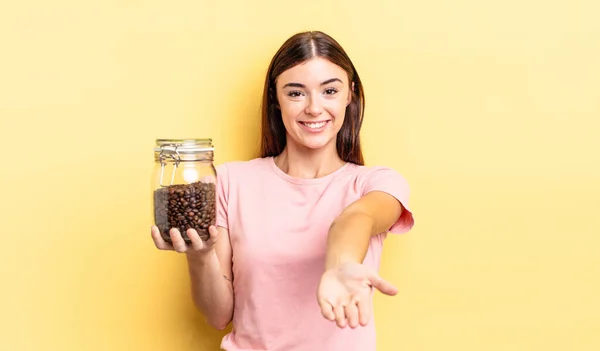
(183, 146)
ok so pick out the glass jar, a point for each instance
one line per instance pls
(184, 183)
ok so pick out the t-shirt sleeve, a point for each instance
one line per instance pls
(389, 181)
(222, 194)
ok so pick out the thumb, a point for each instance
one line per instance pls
(382, 285)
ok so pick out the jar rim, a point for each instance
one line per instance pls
(183, 140)
(189, 145)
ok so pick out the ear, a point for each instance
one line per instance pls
(350, 94)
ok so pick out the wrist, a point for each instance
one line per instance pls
(200, 256)
(334, 261)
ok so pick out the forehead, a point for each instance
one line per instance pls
(312, 72)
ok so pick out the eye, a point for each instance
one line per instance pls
(330, 91)
(294, 93)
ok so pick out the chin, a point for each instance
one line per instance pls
(317, 144)
(313, 146)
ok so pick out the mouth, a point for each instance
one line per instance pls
(314, 126)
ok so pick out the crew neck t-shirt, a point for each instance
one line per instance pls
(278, 227)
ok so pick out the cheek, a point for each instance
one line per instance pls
(288, 112)
(338, 110)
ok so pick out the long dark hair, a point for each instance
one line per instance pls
(297, 49)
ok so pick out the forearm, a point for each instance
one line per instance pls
(211, 291)
(348, 239)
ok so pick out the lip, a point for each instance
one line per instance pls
(314, 130)
(325, 120)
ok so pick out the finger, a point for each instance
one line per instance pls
(384, 286)
(340, 315)
(178, 242)
(351, 311)
(196, 242)
(159, 242)
(214, 235)
(364, 311)
(327, 310)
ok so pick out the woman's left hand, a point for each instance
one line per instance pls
(344, 293)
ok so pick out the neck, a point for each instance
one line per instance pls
(302, 162)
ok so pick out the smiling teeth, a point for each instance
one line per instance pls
(315, 125)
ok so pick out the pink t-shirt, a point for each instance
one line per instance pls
(278, 227)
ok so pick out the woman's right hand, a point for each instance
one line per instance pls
(197, 246)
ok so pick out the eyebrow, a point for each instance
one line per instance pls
(298, 85)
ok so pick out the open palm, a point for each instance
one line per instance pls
(344, 293)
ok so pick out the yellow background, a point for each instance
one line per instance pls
(490, 109)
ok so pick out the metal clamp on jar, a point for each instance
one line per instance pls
(184, 186)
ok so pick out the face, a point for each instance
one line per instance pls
(313, 97)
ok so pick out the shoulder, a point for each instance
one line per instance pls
(369, 171)
(376, 174)
(390, 181)
(380, 178)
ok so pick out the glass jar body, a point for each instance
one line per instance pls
(184, 184)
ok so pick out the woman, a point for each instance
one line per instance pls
(293, 257)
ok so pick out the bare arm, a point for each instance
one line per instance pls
(209, 265)
(211, 281)
(345, 288)
(350, 232)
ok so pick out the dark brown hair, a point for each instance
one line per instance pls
(297, 49)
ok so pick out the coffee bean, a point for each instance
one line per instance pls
(185, 206)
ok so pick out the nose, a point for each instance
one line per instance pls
(313, 106)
